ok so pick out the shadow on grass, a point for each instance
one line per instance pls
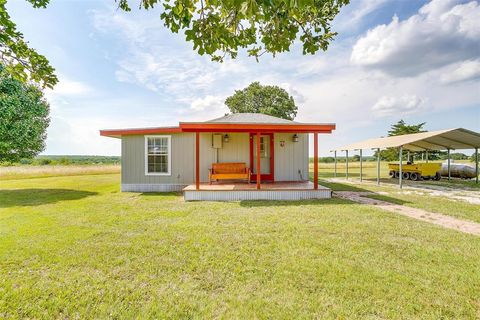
(162, 194)
(35, 197)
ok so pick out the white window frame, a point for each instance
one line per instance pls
(169, 173)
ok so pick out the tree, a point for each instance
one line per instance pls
(255, 98)
(220, 28)
(398, 129)
(24, 118)
(21, 61)
(216, 28)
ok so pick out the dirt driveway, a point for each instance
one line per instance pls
(435, 218)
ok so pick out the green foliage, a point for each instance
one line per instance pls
(77, 160)
(473, 158)
(401, 128)
(454, 156)
(44, 162)
(220, 28)
(255, 98)
(21, 61)
(24, 118)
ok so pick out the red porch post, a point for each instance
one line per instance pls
(315, 160)
(197, 160)
(258, 161)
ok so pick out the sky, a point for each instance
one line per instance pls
(391, 60)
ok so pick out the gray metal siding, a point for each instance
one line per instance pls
(133, 160)
(288, 159)
(235, 150)
(291, 158)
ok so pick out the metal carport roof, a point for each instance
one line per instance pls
(433, 140)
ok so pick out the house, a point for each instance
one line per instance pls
(181, 158)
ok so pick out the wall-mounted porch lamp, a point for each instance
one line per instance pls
(226, 138)
(295, 138)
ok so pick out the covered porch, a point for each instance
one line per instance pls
(237, 191)
(262, 184)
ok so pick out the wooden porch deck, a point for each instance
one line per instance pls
(248, 191)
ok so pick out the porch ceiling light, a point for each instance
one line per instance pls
(295, 138)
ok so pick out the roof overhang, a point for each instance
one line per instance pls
(118, 133)
(224, 127)
(255, 127)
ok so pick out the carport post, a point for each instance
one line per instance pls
(378, 166)
(335, 165)
(400, 176)
(361, 166)
(476, 165)
(426, 156)
(346, 164)
(448, 161)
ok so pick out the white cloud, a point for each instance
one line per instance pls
(212, 104)
(440, 34)
(297, 95)
(68, 87)
(398, 106)
(464, 71)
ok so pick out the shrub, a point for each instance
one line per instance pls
(44, 162)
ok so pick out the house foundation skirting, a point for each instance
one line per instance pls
(128, 187)
(239, 195)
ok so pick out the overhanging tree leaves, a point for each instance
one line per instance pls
(24, 118)
(255, 98)
(21, 61)
(220, 28)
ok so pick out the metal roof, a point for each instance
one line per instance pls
(253, 118)
(433, 140)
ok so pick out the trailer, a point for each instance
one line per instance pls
(416, 171)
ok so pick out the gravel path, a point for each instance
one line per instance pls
(435, 218)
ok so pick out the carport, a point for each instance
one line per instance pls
(450, 139)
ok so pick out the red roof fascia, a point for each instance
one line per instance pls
(249, 127)
(223, 127)
(140, 131)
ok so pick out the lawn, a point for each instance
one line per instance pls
(75, 247)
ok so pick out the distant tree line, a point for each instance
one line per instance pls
(68, 160)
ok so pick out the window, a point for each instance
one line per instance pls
(157, 155)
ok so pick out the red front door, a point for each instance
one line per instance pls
(267, 156)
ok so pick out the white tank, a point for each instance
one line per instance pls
(458, 170)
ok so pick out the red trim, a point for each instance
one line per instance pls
(259, 176)
(140, 131)
(249, 127)
(197, 160)
(271, 175)
(224, 127)
(315, 161)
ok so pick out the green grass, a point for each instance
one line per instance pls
(30, 172)
(454, 208)
(75, 247)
